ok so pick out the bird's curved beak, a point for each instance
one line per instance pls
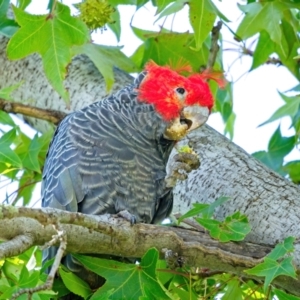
(194, 116)
(191, 117)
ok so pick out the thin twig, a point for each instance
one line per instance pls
(190, 222)
(214, 48)
(62, 238)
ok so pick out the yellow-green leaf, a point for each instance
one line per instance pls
(75, 284)
(202, 17)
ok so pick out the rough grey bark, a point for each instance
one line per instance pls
(270, 202)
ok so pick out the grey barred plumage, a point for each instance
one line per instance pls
(108, 157)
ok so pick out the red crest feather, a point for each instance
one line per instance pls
(217, 76)
(159, 88)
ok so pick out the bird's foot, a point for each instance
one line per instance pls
(125, 214)
(182, 164)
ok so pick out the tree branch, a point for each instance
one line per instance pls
(119, 238)
(51, 115)
(214, 47)
(269, 61)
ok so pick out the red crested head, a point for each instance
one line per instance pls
(171, 92)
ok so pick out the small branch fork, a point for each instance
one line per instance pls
(60, 237)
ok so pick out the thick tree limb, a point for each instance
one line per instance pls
(119, 238)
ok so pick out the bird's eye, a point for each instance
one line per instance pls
(180, 90)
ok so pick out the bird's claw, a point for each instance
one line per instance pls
(183, 163)
(125, 214)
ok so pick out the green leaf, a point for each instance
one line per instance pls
(224, 105)
(105, 58)
(146, 34)
(270, 269)
(29, 155)
(281, 295)
(288, 61)
(52, 36)
(75, 284)
(137, 56)
(262, 16)
(169, 48)
(233, 228)
(44, 141)
(229, 126)
(206, 210)
(172, 9)
(9, 137)
(7, 155)
(202, 17)
(6, 119)
(59, 287)
(208, 213)
(115, 26)
(30, 280)
(126, 280)
(278, 148)
(198, 209)
(279, 145)
(12, 269)
(8, 292)
(289, 30)
(27, 184)
(233, 290)
(5, 93)
(23, 3)
(270, 161)
(283, 248)
(293, 169)
(7, 27)
(141, 3)
(162, 4)
(162, 276)
(290, 108)
(265, 47)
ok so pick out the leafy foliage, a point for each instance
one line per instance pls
(233, 228)
(21, 158)
(131, 279)
(7, 26)
(149, 279)
(275, 263)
